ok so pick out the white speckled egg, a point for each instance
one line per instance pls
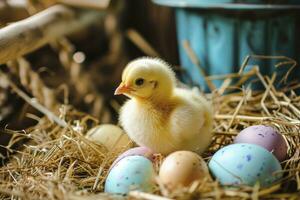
(109, 135)
(131, 173)
(245, 164)
(181, 168)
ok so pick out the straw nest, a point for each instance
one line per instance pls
(58, 162)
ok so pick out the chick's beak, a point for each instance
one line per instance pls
(122, 89)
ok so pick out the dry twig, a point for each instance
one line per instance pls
(27, 35)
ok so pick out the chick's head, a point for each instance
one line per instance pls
(147, 78)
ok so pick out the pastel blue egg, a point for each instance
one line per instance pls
(245, 164)
(131, 173)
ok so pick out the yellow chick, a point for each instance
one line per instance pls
(159, 115)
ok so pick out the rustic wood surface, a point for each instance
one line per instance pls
(156, 24)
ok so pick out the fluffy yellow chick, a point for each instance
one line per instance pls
(159, 115)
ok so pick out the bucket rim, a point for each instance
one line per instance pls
(226, 6)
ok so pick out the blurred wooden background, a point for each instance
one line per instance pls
(157, 25)
(107, 48)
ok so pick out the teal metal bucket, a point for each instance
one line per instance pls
(223, 32)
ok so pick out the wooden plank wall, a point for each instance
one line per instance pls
(156, 24)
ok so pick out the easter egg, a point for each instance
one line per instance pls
(245, 164)
(266, 137)
(137, 151)
(131, 173)
(181, 168)
(108, 135)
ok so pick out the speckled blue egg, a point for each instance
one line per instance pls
(245, 164)
(131, 173)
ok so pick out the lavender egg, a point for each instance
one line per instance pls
(264, 136)
(137, 151)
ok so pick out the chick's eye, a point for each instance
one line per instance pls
(139, 81)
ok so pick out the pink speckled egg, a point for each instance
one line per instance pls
(137, 151)
(266, 137)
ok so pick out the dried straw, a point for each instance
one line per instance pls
(33, 82)
(59, 163)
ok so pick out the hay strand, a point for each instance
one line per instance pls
(193, 57)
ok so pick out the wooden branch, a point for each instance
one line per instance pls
(10, 12)
(92, 4)
(30, 34)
